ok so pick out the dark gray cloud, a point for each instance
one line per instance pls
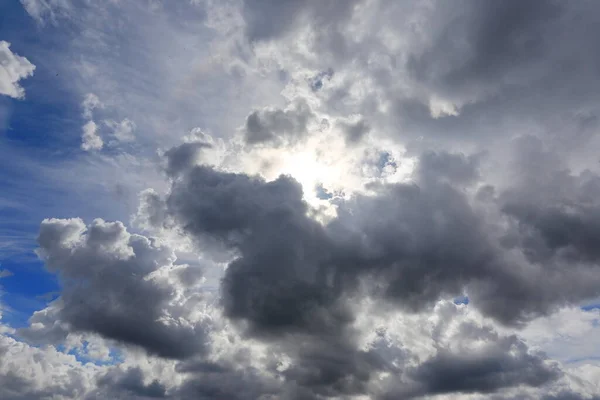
(480, 44)
(473, 359)
(183, 156)
(568, 395)
(276, 126)
(207, 381)
(108, 288)
(14, 387)
(497, 65)
(499, 363)
(131, 383)
(505, 64)
(556, 211)
(281, 247)
(418, 242)
(334, 366)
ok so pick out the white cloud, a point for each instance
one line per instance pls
(90, 140)
(571, 335)
(122, 131)
(89, 104)
(13, 68)
(43, 10)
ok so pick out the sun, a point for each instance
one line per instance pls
(304, 167)
(311, 171)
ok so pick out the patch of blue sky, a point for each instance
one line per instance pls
(590, 307)
(29, 289)
(82, 355)
(39, 135)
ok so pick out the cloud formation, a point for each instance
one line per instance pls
(90, 140)
(112, 287)
(275, 125)
(376, 200)
(13, 68)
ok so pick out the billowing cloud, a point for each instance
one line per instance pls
(13, 68)
(499, 363)
(112, 286)
(420, 241)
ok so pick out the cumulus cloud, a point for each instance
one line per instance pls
(90, 140)
(131, 382)
(112, 287)
(421, 241)
(13, 68)
(499, 363)
(35, 373)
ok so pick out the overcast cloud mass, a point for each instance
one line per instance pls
(299, 200)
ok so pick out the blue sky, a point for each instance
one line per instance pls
(31, 128)
(257, 199)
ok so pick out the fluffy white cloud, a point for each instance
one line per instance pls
(90, 140)
(13, 68)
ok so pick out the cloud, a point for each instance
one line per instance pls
(412, 251)
(90, 140)
(268, 19)
(13, 68)
(122, 131)
(273, 126)
(89, 104)
(498, 364)
(451, 149)
(355, 130)
(36, 373)
(4, 273)
(112, 286)
(131, 381)
(43, 10)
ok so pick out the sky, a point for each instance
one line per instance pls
(299, 200)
